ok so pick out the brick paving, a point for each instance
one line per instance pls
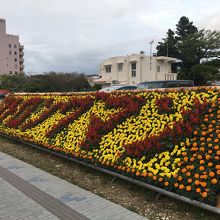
(27, 192)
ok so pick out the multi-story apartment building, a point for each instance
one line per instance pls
(135, 68)
(11, 52)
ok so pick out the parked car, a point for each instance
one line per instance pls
(116, 88)
(165, 84)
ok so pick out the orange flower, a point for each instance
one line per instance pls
(210, 164)
(119, 167)
(218, 152)
(183, 170)
(208, 157)
(205, 177)
(154, 178)
(204, 194)
(195, 132)
(202, 149)
(196, 175)
(188, 174)
(138, 173)
(214, 181)
(188, 188)
(201, 168)
(181, 186)
(217, 167)
(189, 180)
(144, 174)
(180, 178)
(195, 144)
(209, 139)
(185, 159)
(203, 184)
(202, 139)
(192, 159)
(210, 151)
(197, 182)
(211, 174)
(203, 133)
(216, 147)
(201, 161)
(198, 190)
(218, 172)
(213, 121)
(199, 157)
(176, 185)
(160, 179)
(217, 157)
(184, 154)
(216, 140)
(166, 183)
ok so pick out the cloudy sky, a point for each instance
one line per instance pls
(76, 35)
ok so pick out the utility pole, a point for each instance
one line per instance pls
(151, 42)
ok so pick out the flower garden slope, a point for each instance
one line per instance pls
(169, 139)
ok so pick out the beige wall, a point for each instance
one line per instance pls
(11, 52)
(146, 69)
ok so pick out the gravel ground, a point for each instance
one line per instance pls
(132, 197)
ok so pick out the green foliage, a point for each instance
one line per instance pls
(201, 74)
(191, 45)
(97, 87)
(47, 82)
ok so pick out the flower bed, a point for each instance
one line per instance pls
(169, 139)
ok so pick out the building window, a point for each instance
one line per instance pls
(10, 72)
(108, 68)
(9, 52)
(133, 70)
(15, 59)
(16, 66)
(9, 45)
(15, 46)
(16, 72)
(158, 69)
(120, 67)
(15, 53)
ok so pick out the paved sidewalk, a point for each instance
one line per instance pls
(27, 192)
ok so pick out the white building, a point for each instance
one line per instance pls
(11, 52)
(135, 68)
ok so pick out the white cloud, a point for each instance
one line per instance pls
(74, 35)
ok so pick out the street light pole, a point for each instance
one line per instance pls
(151, 42)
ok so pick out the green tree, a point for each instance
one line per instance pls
(184, 27)
(168, 46)
(190, 45)
(202, 74)
(48, 82)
